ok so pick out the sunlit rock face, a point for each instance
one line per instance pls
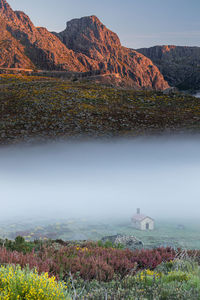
(12, 53)
(179, 65)
(89, 36)
(102, 49)
(43, 48)
(86, 45)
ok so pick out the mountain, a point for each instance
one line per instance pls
(12, 52)
(180, 65)
(90, 37)
(43, 48)
(86, 45)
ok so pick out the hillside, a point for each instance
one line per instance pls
(41, 108)
(85, 45)
(179, 65)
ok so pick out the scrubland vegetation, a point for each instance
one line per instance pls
(90, 270)
(36, 107)
(17, 283)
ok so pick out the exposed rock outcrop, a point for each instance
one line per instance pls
(89, 36)
(130, 242)
(12, 52)
(85, 45)
(179, 65)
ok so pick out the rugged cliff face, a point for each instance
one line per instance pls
(103, 50)
(179, 65)
(12, 53)
(43, 48)
(89, 36)
(85, 45)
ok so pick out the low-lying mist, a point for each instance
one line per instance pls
(102, 179)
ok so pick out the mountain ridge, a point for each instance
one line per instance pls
(180, 65)
(86, 45)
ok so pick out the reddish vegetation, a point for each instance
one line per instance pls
(91, 262)
(18, 258)
(85, 45)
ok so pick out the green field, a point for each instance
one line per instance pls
(166, 233)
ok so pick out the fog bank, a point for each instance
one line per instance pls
(102, 179)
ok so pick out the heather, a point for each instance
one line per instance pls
(174, 284)
(89, 260)
(91, 270)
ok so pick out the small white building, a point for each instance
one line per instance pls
(142, 222)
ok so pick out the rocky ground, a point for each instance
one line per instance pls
(130, 242)
(40, 108)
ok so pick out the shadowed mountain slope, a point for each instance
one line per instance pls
(179, 65)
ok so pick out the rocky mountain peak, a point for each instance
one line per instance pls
(89, 36)
(24, 21)
(6, 11)
(167, 48)
(15, 19)
(4, 4)
(86, 45)
(87, 21)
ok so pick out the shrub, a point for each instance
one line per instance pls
(146, 284)
(20, 245)
(16, 283)
(179, 276)
(109, 244)
(103, 263)
(91, 262)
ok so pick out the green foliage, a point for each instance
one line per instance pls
(109, 244)
(20, 245)
(145, 285)
(179, 276)
(188, 265)
(16, 283)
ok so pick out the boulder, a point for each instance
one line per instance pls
(130, 242)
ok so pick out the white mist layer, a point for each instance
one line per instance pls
(102, 179)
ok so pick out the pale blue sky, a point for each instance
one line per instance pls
(139, 23)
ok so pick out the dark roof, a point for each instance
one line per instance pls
(140, 217)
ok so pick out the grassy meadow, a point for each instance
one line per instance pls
(166, 233)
